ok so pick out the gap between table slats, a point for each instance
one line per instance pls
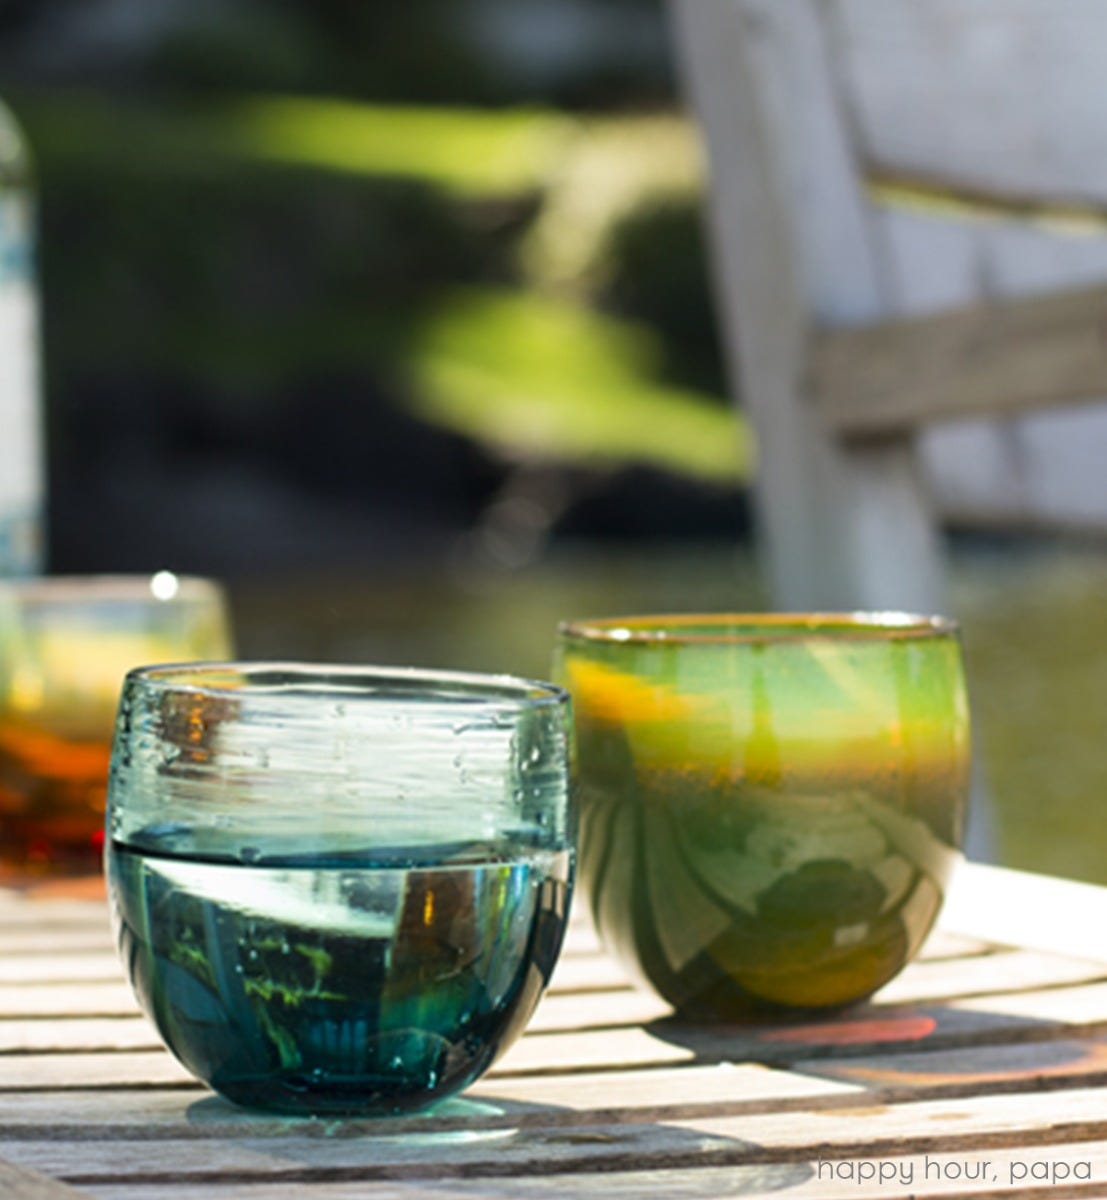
(1061, 1013)
(797, 1082)
(26, 1027)
(1027, 1015)
(797, 1181)
(969, 1127)
(810, 1087)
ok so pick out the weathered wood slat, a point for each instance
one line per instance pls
(580, 937)
(77, 1033)
(924, 981)
(992, 360)
(1009, 1017)
(996, 1173)
(1009, 971)
(97, 966)
(61, 939)
(20, 908)
(843, 526)
(586, 971)
(582, 942)
(944, 944)
(1003, 95)
(1000, 99)
(1036, 1065)
(500, 1151)
(590, 973)
(74, 1070)
(1079, 1006)
(106, 1017)
(603, 1001)
(1060, 916)
(1052, 1064)
(100, 998)
(970, 1126)
(597, 1010)
(1040, 467)
(808, 1084)
(591, 1050)
(1013, 1017)
(617, 1009)
(48, 927)
(975, 1054)
(573, 1100)
(17, 1183)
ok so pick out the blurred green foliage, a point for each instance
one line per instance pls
(463, 256)
(542, 379)
(469, 152)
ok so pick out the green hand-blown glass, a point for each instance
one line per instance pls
(771, 806)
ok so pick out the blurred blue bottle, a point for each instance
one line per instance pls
(21, 451)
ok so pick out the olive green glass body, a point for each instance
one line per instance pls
(771, 806)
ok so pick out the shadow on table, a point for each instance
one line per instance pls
(930, 1048)
(501, 1147)
(504, 1148)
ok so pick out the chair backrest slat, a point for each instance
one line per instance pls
(874, 160)
(1006, 96)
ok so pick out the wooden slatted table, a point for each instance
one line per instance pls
(978, 1072)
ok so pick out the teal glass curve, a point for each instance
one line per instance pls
(338, 889)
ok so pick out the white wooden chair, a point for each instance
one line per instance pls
(909, 215)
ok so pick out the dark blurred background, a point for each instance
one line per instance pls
(332, 286)
(396, 318)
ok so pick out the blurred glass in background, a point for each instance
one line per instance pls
(65, 645)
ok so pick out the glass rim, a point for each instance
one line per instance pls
(351, 681)
(675, 629)
(111, 588)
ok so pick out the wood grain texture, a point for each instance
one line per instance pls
(993, 360)
(983, 1060)
(96, 967)
(18, 1183)
(940, 1174)
(67, 939)
(1041, 469)
(1004, 95)
(578, 1099)
(970, 1125)
(103, 998)
(603, 1009)
(1001, 98)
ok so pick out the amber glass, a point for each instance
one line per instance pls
(65, 645)
(771, 806)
